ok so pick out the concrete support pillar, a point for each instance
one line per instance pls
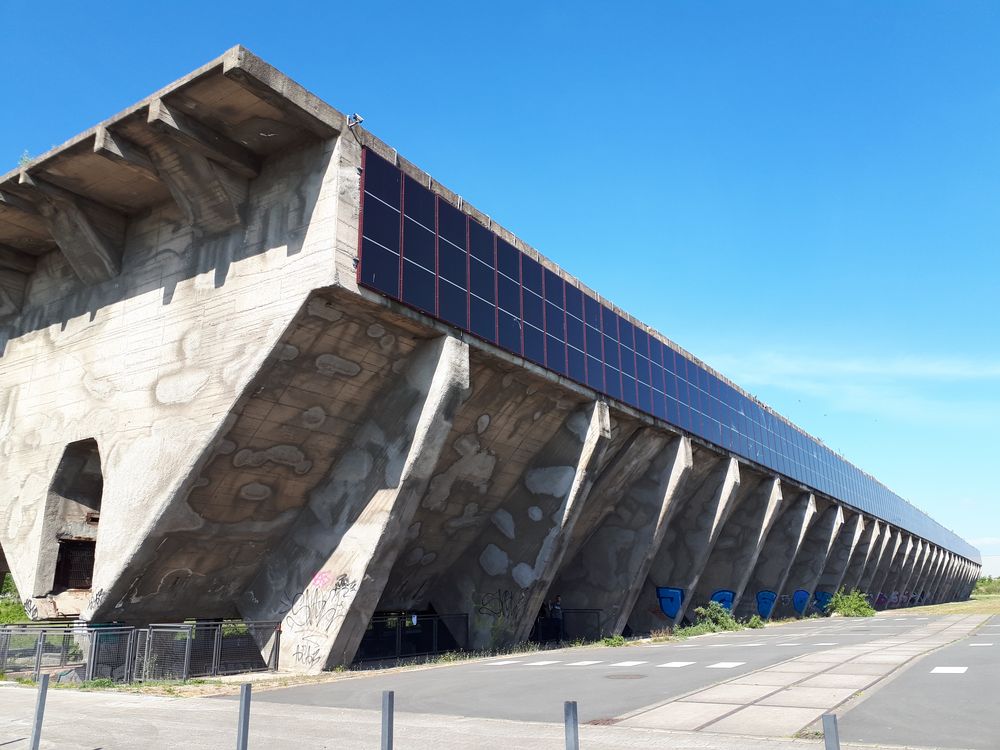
(948, 593)
(877, 560)
(609, 569)
(902, 598)
(889, 593)
(324, 582)
(728, 570)
(797, 593)
(867, 547)
(878, 582)
(775, 559)
(836, 564)
(970, 581)
(923, 579)
(944, 561)
(944, 576)
(687, 544)
(502, 578)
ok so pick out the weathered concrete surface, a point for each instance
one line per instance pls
(840, 557)
(867, 547)
(504, 578)
(899, 563)
(809, 563)
(689, 539)
(617, 556)
(326, 579)
(735, 555)
(878, 559)
(767, 578)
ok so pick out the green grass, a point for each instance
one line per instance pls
(11, 609)
(987, 586)
(613, 641)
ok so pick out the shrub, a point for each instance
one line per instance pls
(716, 616)
(613, 640)
(987, 585)
(755, 622)
(849, 604)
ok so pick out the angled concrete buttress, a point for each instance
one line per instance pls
(875, 561)
(797, 593)
(909, 583)
(503, 576)
(610, 568)
(900, 562)
(325, 580)
(688, 542)
(728, 570)
(929, 573)
(930, 590)
(767, 578)
(840, 557)
(921, 578)
(885, 565)
(867, 547)
(901, 591)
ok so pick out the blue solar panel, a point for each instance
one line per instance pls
(418, 248)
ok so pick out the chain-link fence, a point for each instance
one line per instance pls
(125, 654)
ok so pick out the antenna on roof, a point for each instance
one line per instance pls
(354, 119)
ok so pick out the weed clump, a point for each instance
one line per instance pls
(755, 622)
(613, 641)
(849, 604)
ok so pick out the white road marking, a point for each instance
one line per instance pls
(725, 665)
(687, 645)
(788, 644)
(627, 664)
(676, 664)
(540, 663)
(980, 644)
(949, 670)
(501, 663)
(582, 663)
(751, 645)
(826, 643)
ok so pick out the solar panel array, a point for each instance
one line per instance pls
(419, 249)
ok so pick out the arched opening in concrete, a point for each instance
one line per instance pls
(72, 514)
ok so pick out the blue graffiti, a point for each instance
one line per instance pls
(765, 603)
(821, 599)
(800, 600)
(725, 597)
(670, 600)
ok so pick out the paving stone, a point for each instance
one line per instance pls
(680, 715)
(808, 697)
(771, 721)
(731, 693)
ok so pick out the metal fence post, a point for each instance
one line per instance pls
(572, 726)
(4, 641)
(276, 648)
(434, 644)
(92, 653)
(243, 730)
(399, 636)
(831, 737)
(130, 654)
(187, 653)
(38, 653)
(388, 699)
(36, 728)
(217, 650)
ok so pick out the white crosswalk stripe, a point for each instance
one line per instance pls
(980, 644)
(501, 663)
(583, 663)
(949, 670)
(540, 663)
(788, 644)
(725, 665)
(825, 643)
(676, 664)
(627, 664)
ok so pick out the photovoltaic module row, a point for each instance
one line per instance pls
(419, 249)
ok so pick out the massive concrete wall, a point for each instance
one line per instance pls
(194, 388)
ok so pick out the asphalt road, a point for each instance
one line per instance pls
(605, 682)
(948, 699)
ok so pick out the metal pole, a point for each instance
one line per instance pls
(831, 737)
(276, 649)
(388, 699)
(217, 650)
(243, 729)
(187, 653)
(572, 726)
(36, 729)
(38, 652)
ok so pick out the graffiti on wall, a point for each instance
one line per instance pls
(502, 604)
(821, 599)
(800, 600)
(670, 600)
(725, 597)
(765, 603)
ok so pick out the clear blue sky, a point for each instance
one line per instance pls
(805, 195)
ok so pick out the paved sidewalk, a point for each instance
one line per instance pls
(783, 699)
(110, 721)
